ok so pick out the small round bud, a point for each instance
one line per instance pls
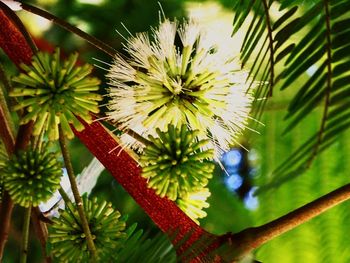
(68, 241)
(26, 182)
(179, 171)
(56, 92)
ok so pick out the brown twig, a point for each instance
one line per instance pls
(91, 39)
(41, 231)
(77, 197)
(6, 209)
(236, 245)
(25, 235)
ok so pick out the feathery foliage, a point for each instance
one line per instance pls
(322, 50)
(138, 248)
(265, 42)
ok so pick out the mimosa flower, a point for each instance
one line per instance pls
(173, 163)
(180, 76)
(55, 93)
(31, 176)
(66, 235)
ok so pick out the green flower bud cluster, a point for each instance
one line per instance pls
(66, 235)
(55, 92)
(31, 176)
(174, 163)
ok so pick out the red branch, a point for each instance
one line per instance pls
(12, 40)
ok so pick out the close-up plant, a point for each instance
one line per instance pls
(174, 131)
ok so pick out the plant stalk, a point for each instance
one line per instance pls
(7, 127)
(5, 220)
(251, 238)
(64, 196)
(77, 197)
(25, 235)
(39, 222)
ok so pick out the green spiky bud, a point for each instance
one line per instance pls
(32, 176)
(175, 164)
(194, 203)
(66, 235)
(56, 92)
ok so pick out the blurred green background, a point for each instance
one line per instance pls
(232, 204)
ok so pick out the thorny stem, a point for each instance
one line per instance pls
(77, 197)
(251, 238)
(25, 235)
(92, 40)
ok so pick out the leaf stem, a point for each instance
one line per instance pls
(25, 235)
(77, 197)
(39, 222)
(329, 84)
(64, 196)
(6, 124)
(272, 60)
(5, 220)
(91, 39)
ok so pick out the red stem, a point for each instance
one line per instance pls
(5, 132)
(12, 41)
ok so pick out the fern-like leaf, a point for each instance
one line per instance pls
(326, 48)
(266, 39)
(138, 248)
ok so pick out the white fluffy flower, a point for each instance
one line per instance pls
(180, 76)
